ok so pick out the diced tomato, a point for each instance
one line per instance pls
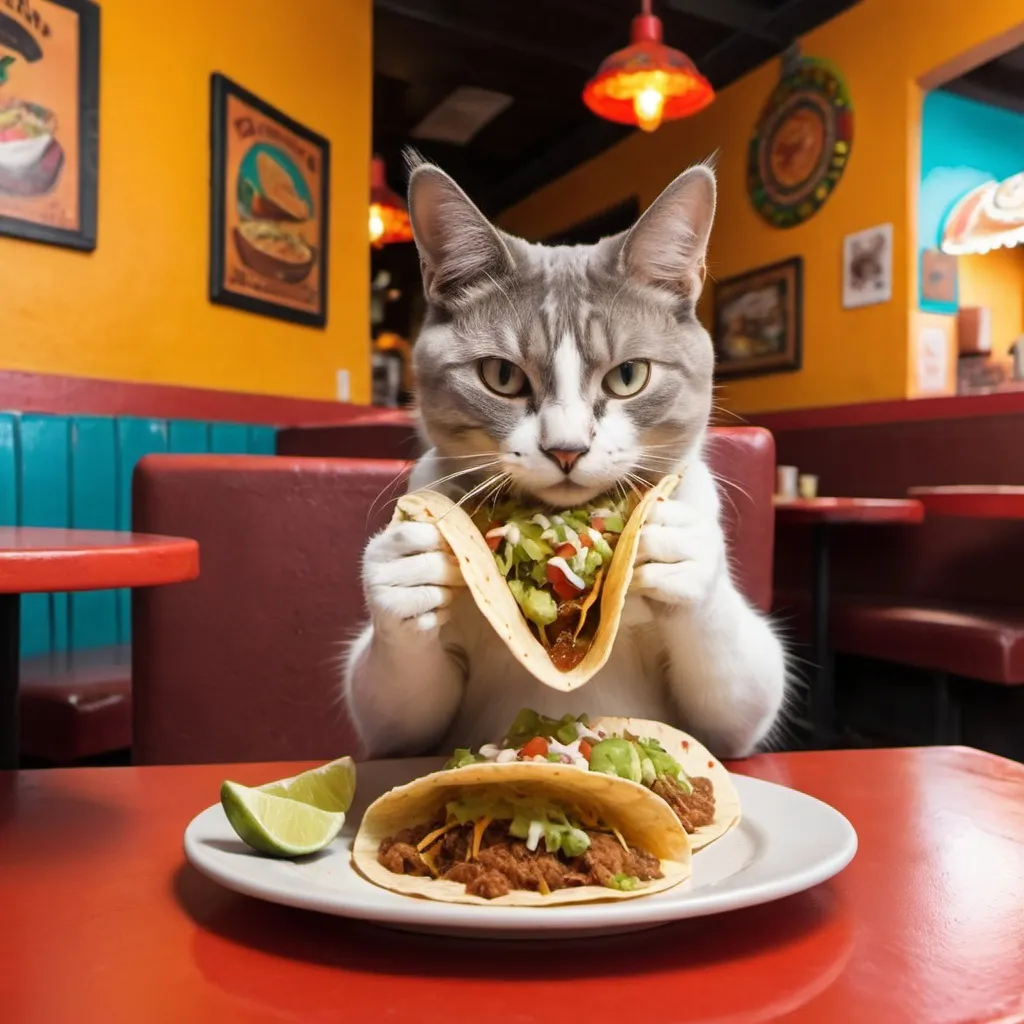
(597, 523)
(585, 749)
(565, 551)
(563, 589)
(538, 745)
(586, 540)
(494, 542)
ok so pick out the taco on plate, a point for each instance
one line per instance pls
(521, 834)
(552, 584)
(671, 764)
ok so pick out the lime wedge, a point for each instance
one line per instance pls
(276, 825)
(329, 788)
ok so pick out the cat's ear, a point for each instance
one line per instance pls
(458, 246)
(667, 245)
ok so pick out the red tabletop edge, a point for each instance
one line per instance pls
(850, 510)
(37, 559)
(995, 502)
(925, 925)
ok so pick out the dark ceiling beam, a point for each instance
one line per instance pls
(428, 12)
(720, 64)
(738, 15)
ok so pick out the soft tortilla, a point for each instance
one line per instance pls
(644, 820)
(492, 596)
(696, 760)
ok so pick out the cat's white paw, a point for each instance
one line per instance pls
(681, 556)
(408, 576)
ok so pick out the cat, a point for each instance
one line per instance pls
(560, 373)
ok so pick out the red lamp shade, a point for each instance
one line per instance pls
(647, 82)
(389, 218)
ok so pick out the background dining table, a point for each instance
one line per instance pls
(101, 918)
(35, 560)
(823, 515)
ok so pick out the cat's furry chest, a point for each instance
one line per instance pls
(497, 686)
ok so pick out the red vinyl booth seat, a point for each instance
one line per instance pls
(976, 641)
(244, 663)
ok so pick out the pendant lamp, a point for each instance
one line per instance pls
(389, 218)
(647, 82)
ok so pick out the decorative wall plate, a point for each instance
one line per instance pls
(801, 143)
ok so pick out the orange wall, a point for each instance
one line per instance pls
(136, 308)
(996, 280)
(883, 47)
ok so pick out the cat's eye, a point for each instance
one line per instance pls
(503, 377)
(628, 379)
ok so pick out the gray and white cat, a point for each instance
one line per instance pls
(562, 373)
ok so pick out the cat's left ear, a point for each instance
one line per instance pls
(667, 246)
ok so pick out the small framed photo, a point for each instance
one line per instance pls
(49, 121)
(759, 320)
(867, 267)
(269, 209)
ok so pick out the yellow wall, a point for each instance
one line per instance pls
(883, 47)
(137, 308)
(996, 280)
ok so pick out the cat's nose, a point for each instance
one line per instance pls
(565, 458)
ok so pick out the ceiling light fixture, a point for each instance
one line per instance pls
(647, 82)
(389, 218)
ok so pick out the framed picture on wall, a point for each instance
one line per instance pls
(49, 121)
(269, 208)
(759, 320)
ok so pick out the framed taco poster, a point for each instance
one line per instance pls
(49, 120)
(268, 209)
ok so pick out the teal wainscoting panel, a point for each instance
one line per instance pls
(188, 437)
(262, 440)
(8, 469)
(93, 507)
(229, 438)
(45, 501)
(135, 438)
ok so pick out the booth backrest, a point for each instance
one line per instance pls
(244, 663)
(957, 560)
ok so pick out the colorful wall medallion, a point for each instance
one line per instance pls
(801, 143)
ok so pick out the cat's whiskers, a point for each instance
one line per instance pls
(462, 472)
(484, 486)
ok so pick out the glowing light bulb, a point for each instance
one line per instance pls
(376, 224)
(648, 105)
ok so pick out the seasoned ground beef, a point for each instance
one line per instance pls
(504, 863)
(694, 810)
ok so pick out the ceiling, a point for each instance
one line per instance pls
(541, 53)
(1000, 82)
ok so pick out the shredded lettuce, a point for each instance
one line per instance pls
(528, 819)
(537, 605)
(527, 725)
(463, 757)
(624, 883)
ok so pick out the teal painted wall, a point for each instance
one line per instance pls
(76, 472)
(963, 144)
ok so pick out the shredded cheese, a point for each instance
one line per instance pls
(618, 835)
(427, 840)
(542, 888)
(427, 856)
(479, 827)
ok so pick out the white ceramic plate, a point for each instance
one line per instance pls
(786, 842)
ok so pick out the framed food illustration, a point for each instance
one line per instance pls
(801, 143)
(759, 320)
(49, 121)
(268, 209)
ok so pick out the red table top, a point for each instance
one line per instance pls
(34, 559)
(849, 510)
(995, 502)
(104, 921)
